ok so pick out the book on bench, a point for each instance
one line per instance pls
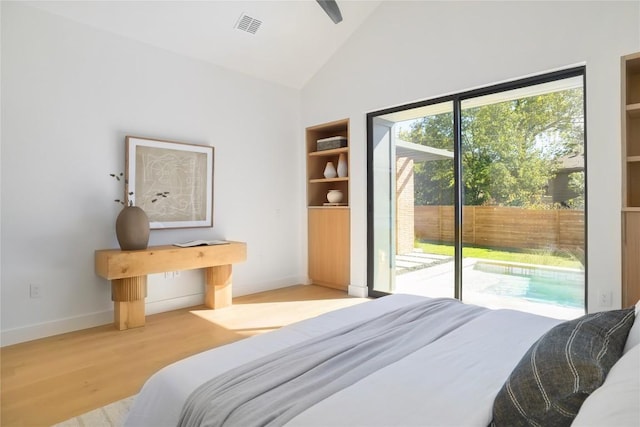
(193, 243)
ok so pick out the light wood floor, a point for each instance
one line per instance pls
(52, 379)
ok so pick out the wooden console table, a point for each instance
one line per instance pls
(128, 272)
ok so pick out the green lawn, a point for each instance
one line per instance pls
(535, 257)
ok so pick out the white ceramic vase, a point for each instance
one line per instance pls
(342, 165)
(330, 170)
(334, 196)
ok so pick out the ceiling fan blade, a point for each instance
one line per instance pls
(331, 8)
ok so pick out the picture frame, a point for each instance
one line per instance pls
(183, 171)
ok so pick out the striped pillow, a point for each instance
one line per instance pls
(561, 369)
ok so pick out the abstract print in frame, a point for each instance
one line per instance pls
(183, 170)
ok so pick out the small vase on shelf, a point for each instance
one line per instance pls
(330, 171)
(334, 196)
(342, 165)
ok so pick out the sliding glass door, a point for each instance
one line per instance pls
(481, 196)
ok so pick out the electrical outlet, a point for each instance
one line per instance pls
(605, 299)
(171, 274)
(34, 291)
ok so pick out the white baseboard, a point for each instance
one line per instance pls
(269, 286)
(358, 291)
(154, 307)
(56, 327)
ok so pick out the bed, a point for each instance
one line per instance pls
(404, 360)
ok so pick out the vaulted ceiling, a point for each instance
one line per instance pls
(294, 38)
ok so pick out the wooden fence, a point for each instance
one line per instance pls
(503, 227)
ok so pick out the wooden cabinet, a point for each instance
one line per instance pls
(630, 179)
(328, 220)
(630, 258)
(329, 245)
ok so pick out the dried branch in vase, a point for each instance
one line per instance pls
(127, 199)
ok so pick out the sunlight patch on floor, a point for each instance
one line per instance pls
(255, 318)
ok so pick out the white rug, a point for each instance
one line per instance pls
(111, 415)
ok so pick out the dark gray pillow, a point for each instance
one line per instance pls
(561, 369)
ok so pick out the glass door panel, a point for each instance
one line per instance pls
(413, 201)
(381, 258)
(523, 241)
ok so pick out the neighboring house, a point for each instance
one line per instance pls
(559, 190)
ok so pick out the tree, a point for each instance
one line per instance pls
(510, 149)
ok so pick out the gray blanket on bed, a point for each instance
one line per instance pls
(273, 389)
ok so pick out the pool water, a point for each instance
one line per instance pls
(558, 287)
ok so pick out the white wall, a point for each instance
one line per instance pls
(70, 94)
(409, 51)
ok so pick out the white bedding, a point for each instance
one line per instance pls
(451, 382)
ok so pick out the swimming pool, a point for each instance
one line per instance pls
(540, 284)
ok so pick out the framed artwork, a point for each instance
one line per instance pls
(181, 171)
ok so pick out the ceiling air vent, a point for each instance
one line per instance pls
(248, 24)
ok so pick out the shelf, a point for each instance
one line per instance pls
(633, 110)
(632, 184)
(631, 137)
(317, 185)
(631, 76)
(332, 152)
(633, 159)
(631, 209)
(321, 180)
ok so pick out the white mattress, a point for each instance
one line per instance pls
(451, 382)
